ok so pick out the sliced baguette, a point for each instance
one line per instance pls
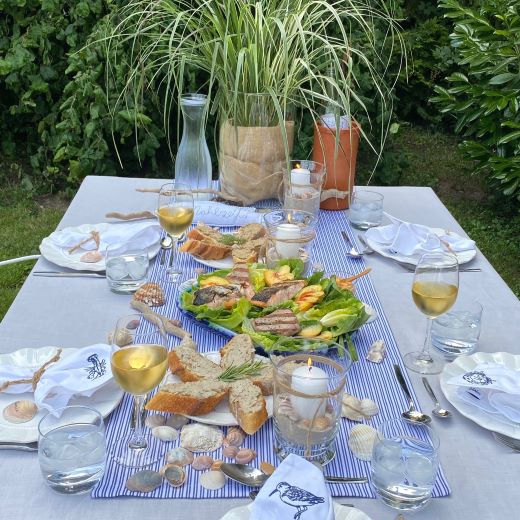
(251, 232)
(195, 398)
(264, 380)
(189, 365)
(203, 232)
(207, 250)
(238, 351)
(247, 404)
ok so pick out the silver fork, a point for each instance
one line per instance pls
(514, 444)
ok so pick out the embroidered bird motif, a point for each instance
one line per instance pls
(297, 497)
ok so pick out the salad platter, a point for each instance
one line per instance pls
(280, 309)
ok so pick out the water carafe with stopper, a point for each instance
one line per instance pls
(193, 163)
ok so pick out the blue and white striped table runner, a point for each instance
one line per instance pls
(365, 379)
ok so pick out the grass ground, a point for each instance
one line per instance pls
(432, 160)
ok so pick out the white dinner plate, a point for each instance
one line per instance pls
(225, 263)
(494, 422)
(340, 513)
(463, 256)
(221, 415)
(60, 256)
(103, 400)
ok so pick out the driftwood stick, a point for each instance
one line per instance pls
(94, 235)
(170, 326)
(130, 216)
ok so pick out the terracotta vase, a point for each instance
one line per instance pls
(340, 164)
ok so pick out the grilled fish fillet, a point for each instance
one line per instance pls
(277, 293)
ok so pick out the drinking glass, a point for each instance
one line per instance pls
(434, 291)
(71, 449)
(126, 267)
(366, 209)
(175, 212)
(405, 460)
(139, 360)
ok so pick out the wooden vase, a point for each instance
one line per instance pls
(340, 163)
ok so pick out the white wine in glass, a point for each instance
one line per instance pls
(175, 212)
(138, 368)
(434, 291)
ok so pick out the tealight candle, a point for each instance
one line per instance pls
(309, 380)
(287, 232)
(300, 176)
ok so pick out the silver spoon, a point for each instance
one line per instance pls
(255, 477)
(367, 249)
(437, 411)
(353, 252)
(412, 415)
(166, 243)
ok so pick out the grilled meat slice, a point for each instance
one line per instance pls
(277, 293)
(239, 274)
(281, 321)
(217, 296)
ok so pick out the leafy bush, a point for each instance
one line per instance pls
(483, 96)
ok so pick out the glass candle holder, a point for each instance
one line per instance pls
(308, 389)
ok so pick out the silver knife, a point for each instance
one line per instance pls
(60, 274)
(22, 446)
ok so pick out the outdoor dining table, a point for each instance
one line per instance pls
(484, 475)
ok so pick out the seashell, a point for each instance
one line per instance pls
(245, 455)
(198, 437)
(20, 411)
(285, 408)
(122, 339)
(91, 257)
(230, 452)
(176, 421)
(235, 437)
(202, 462)
(179, 456)
(212, 480)
(216, 465)
(132, 324)
(358, 409)
(151, 294)
(155, 420)
(361, 441)
(377, 351)
(369, 408)
(321, 424)
(174, 475)
(267, 468)
(144, 481)
(165, 433)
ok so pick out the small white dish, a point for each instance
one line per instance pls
(104, 400)
(493, 422)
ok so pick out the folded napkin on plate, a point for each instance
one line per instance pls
(218, 214)
(409, 239)
(295, 487)
(80, 373)
(145, 233)
(492, 388)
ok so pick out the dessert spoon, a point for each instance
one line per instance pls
(412, 414)
(438, 411)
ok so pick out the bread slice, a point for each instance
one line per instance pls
(247, 404)
(238, 351)
(195, 398)
(251, 232)
(189, 365)
(203, 232)
(207, 250)
(264, 380)
(249, 251)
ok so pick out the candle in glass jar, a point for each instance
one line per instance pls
(309, 380)
(300, 176)
(288, 232)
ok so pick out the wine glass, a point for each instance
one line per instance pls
(139, 360)
(175, 212)
(434, 291)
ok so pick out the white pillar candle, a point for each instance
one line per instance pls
(309, 380)
(300, 176)
(288, 232)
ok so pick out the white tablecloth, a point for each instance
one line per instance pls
(75, 312)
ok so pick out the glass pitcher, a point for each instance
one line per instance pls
(193, 164)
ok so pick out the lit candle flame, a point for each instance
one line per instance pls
(309, 363)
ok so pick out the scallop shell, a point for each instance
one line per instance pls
(198, 437)
(202, 462)
(91, 257)
(179, 456)
(321, 424)
(144, 481)
(155, 420)
(358, 409)
(235, 437)
(369, 408)
(20, 411)
(212, 480)
(151, 294)
(361, 441)
(377, 351)
(230, 452)
(216, 465)
(122, 339)
(245, 455)
(165, 433)
(267, 468)
(285, 408)
(176, 421)
(174, 475)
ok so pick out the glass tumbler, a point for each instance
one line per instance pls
(126, 267)
(366, 209)
(71, 449)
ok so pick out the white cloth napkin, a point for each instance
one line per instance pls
(218, 214)
(409, 239)
(81, 373)
(296, 489)
(491, 387)
(145, 233)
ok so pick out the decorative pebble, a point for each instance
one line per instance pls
(155, 420)
(176, 421)
(144, 481)
(165, 433)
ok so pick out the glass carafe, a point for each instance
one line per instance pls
(193, 164)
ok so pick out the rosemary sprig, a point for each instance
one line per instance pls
(234, 373)
(229, 240)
